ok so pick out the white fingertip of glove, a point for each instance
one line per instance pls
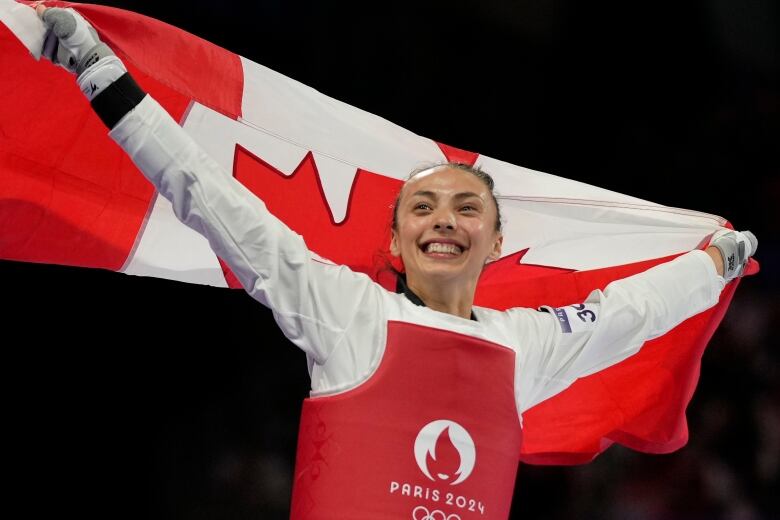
(100, 75)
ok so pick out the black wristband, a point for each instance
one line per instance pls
(117, 99)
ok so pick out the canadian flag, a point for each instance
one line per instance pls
(330, 171)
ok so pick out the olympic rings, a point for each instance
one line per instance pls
(432, 515)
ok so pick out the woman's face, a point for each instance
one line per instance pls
(446, 226)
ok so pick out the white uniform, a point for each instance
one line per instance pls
(339, 317)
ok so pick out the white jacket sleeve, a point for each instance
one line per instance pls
(271, 261)
(611, 325)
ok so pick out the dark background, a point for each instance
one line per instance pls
(194, 413)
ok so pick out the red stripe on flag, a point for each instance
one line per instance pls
(69, 195)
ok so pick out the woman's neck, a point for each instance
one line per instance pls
(452, 299)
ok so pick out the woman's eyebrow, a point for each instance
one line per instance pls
(465, 195)
(425, 193)
(458, 196)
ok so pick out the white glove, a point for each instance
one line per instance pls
(736, 248)
(73, 43)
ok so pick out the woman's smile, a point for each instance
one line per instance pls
(442, 248)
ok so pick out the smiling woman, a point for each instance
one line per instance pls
(446, 226)
(399, 381)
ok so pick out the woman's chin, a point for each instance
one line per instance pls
(441, 269)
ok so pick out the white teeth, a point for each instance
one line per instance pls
(437, 247)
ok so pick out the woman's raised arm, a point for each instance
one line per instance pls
(610, 325)
(313, 300)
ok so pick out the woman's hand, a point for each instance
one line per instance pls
(71, 41)
(730, 250)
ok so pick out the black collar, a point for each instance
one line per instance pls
(401, 287)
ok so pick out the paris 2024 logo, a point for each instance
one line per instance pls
(438, 447)
(446, 454)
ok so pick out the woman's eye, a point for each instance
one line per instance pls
(468, 208)
(422, 205)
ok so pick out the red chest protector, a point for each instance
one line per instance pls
(434, 434)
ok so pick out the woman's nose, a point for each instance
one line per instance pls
(444, 219)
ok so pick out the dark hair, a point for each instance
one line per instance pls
(474, 170)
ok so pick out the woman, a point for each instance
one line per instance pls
(418, 396)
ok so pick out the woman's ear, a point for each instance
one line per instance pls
(394, 244)
(495, 253)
